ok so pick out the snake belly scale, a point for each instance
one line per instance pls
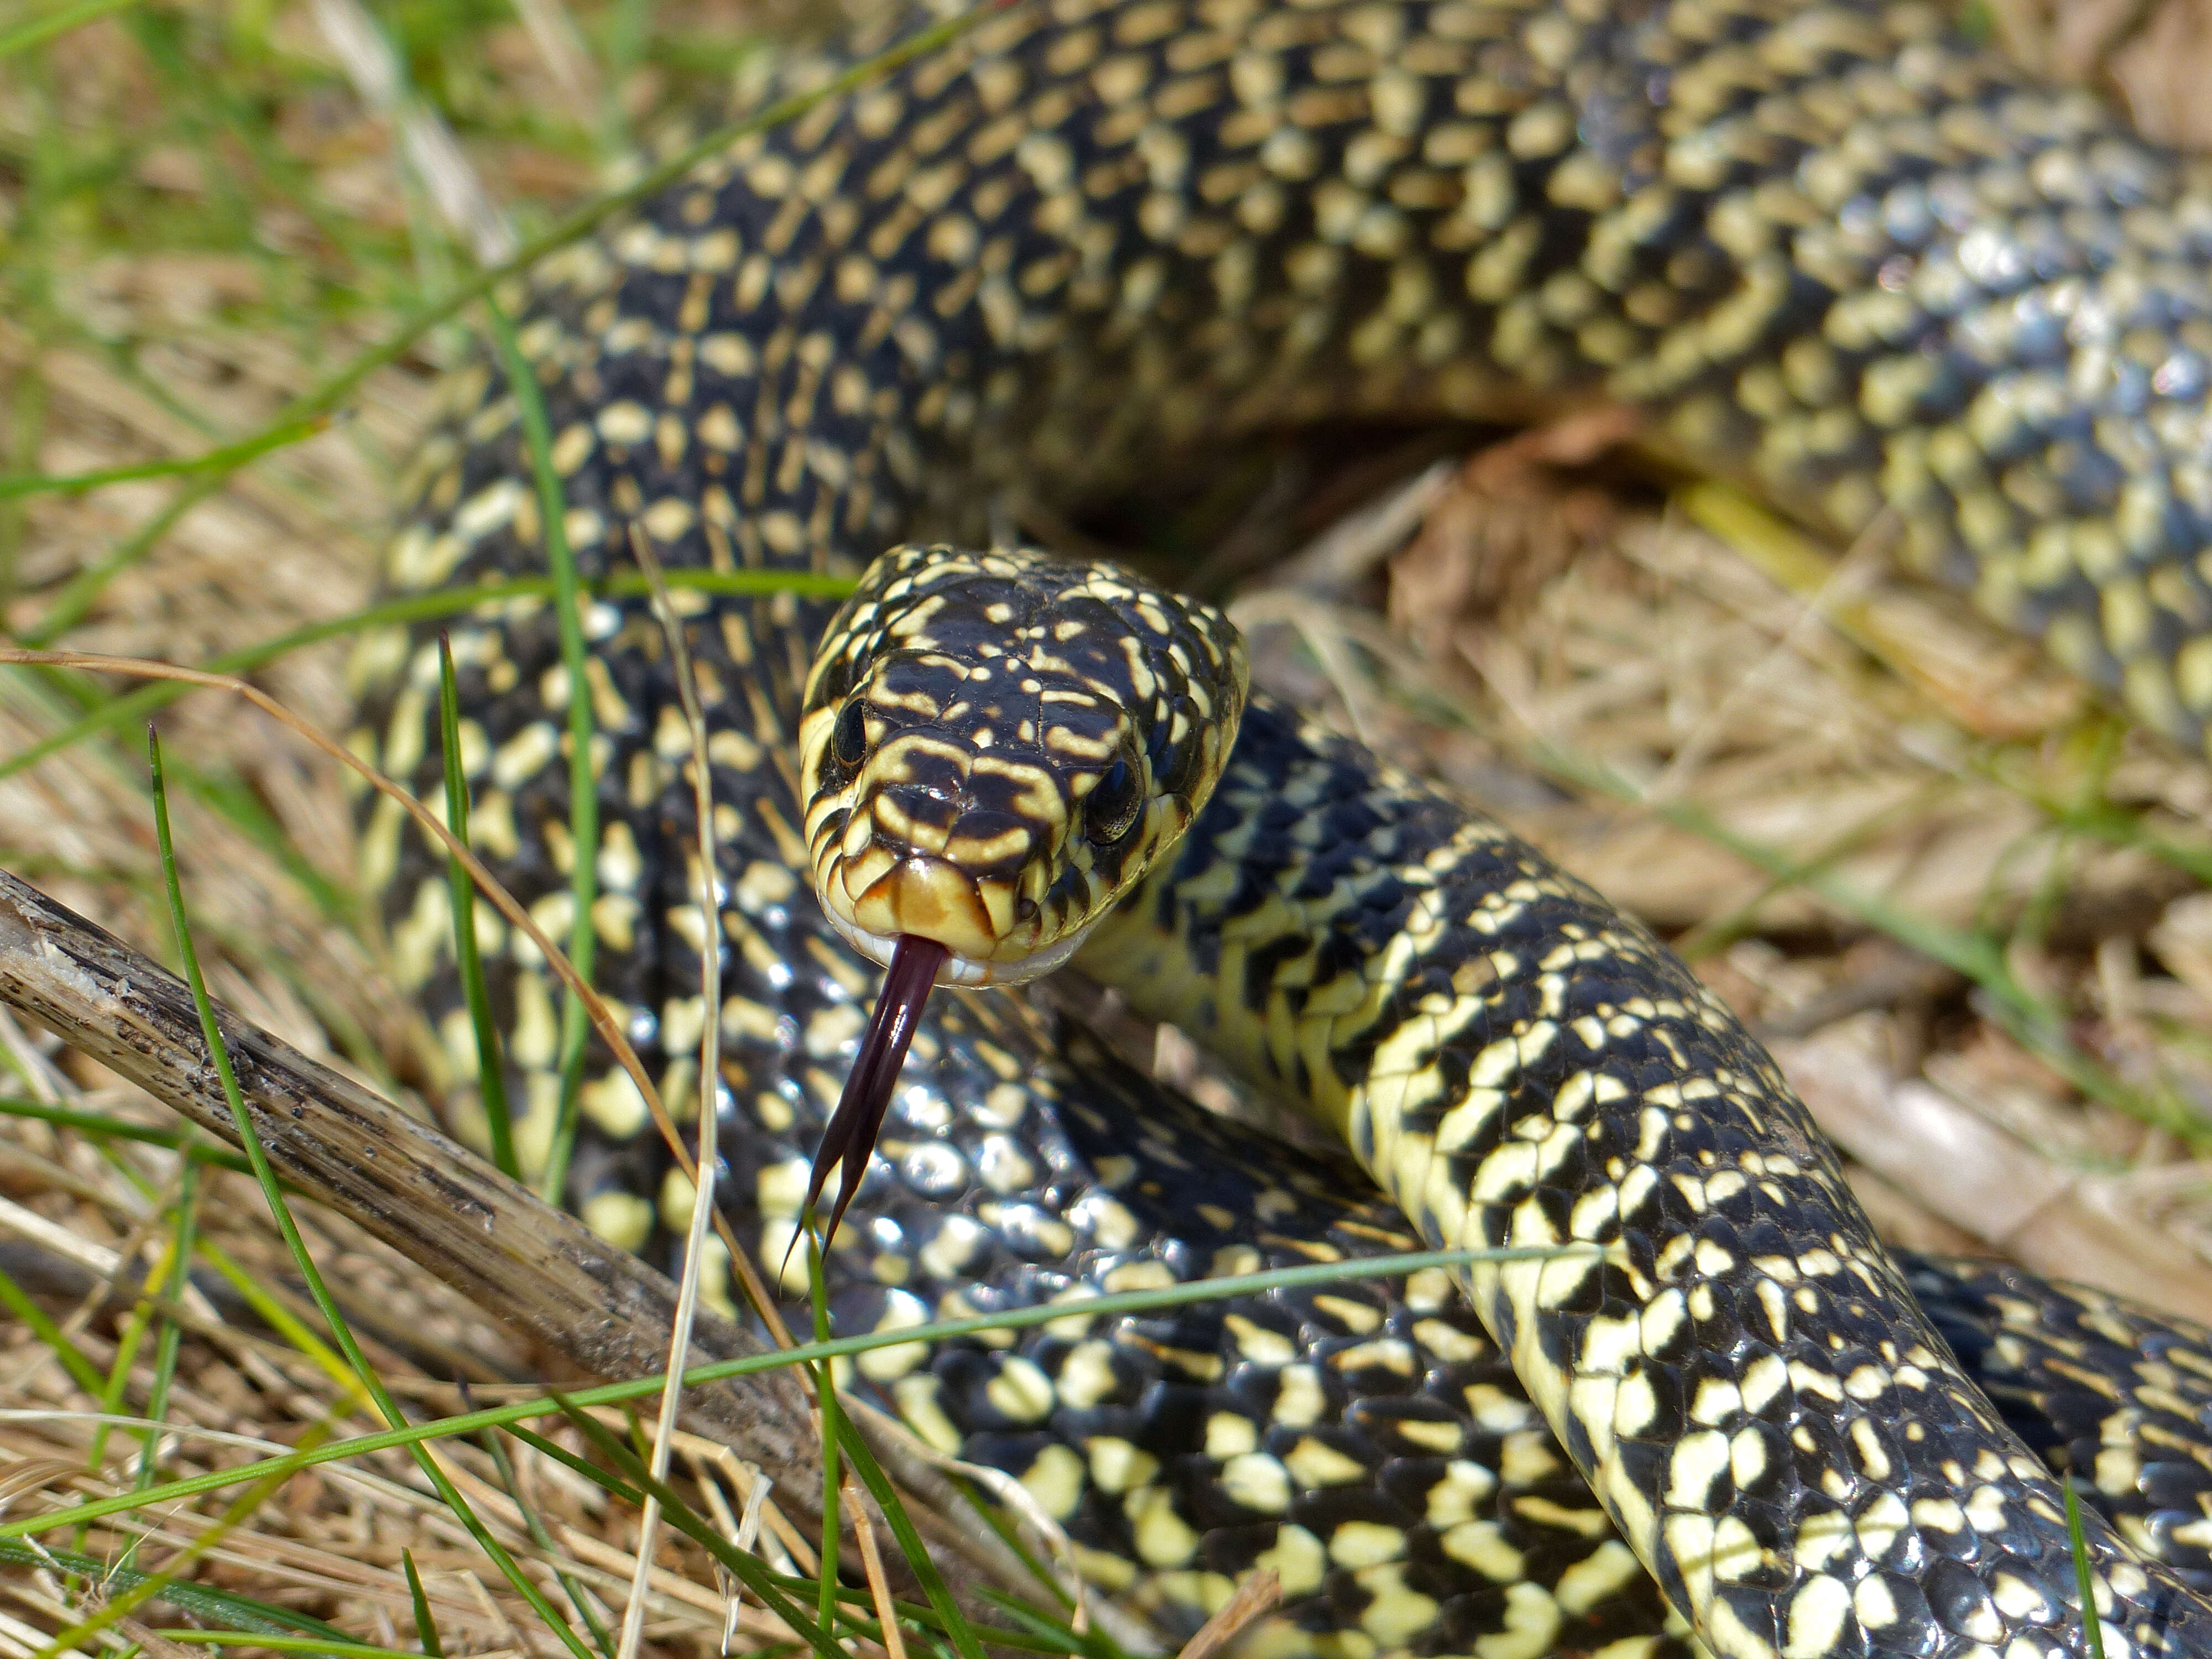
(1830, 250)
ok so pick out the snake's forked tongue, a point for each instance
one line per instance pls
(851, 1134)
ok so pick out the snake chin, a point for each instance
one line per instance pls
(964, 973)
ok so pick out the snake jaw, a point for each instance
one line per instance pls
(962, 971)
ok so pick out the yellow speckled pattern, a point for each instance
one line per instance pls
(1833, 250)
(1738, 1369)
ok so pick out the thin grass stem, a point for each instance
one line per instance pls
(749, 1570)
(192, 1636)
(241, 1611)
(272, 1312)
(825, 1373)
(611, 1394)
(228, 458)
(60, 20)
(957, 1628)
(2093, 1625)
(151, 1585)
(491, 1074)
(135, 1326)
(534, 1523)
(583, 770)
(426, 1626)
(415, 607)
(83, 1372)
(699, 1230)
(165, 1346)
(183, 1142)
(250, 1138)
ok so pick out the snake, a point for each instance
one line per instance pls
(1839, 254)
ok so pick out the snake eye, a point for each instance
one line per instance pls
(1109, 810)
(848, 738)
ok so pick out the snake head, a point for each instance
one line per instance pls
(995, 747)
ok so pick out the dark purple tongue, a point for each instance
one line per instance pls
(859, 1118)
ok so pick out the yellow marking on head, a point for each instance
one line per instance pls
(970, 850)
(1039, 800)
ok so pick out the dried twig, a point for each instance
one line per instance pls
(1259, 1595)
(533, 1267)
(634, 1353)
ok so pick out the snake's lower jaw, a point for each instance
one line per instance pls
(930, 898)
(965, 973)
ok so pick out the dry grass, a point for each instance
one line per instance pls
(204, 220)
(201, 218)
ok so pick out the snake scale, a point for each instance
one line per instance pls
(1831, 250)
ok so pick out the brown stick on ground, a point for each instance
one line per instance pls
(445, 1209)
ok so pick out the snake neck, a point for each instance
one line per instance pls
(1521, 1067)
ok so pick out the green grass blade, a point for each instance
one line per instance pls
(583, 777)
(240, 1611)
(879, 1486)
(274, 1193)
(825, 1399)
(2099, 819)
(1094, 1643)
(343, 1648)
(82, 592)
(40, 30)
(609, 1394)
(612, 1485)
(83, 1372)
(426, 1627)
(228, 458)
(491, 1077)
(135, 1326)
(2093, 1626)
(240, 803)
(171, 1338)
(272, 1312)
(541, 1536)
(181, 1141)
(149, 1586)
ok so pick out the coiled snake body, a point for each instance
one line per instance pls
(1831, 251)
